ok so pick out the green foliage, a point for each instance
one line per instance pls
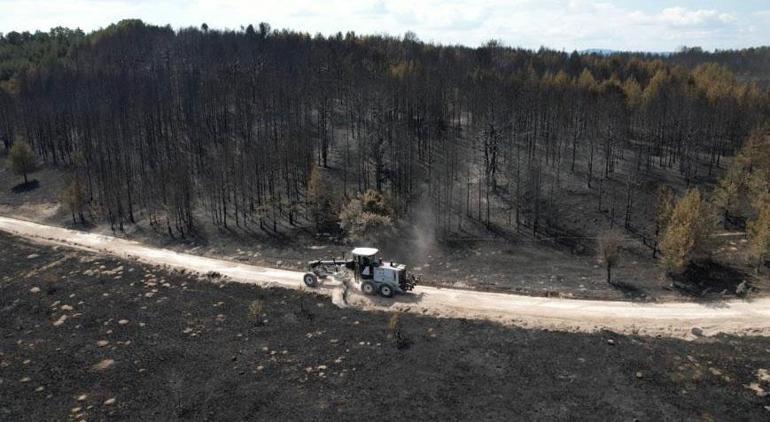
(587, 81)
(22, 51)
(716, 80)
(368, 216)
(755, 154)
(726, 193)
(656, 87)
(21, 159)
(686, 236)
(758, 231)
(633, 92)
(745, 188)
(758, 186)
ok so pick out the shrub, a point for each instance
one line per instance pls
(74, 200)
(368, 216)
(758, 230)
(726, 192)
(21, 159)
(256, 310)
(394, 329)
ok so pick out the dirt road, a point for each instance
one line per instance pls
(667, 319)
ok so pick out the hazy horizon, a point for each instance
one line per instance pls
(653, 26)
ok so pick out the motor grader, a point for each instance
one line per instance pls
(371, 273)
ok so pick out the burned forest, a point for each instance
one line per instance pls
(228, 127)
(201, 221)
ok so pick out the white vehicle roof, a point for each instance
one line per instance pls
(365, 251)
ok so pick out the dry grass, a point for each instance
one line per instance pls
(256, 311)
(394, 329)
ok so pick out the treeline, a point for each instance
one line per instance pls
(749, 64)
(228, 125)
(20, 51)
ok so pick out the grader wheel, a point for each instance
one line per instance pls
(368, 288)
(386, 290)
(310, 280)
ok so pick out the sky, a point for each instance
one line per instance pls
(638, 25)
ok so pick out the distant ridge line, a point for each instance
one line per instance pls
(609, 52)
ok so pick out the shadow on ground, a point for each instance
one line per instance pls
(26, 187)
(631, 292)
(708, 277)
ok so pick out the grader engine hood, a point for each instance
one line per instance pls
(388, 272)
(395, 274)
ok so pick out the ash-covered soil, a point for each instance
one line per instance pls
(85, 337)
